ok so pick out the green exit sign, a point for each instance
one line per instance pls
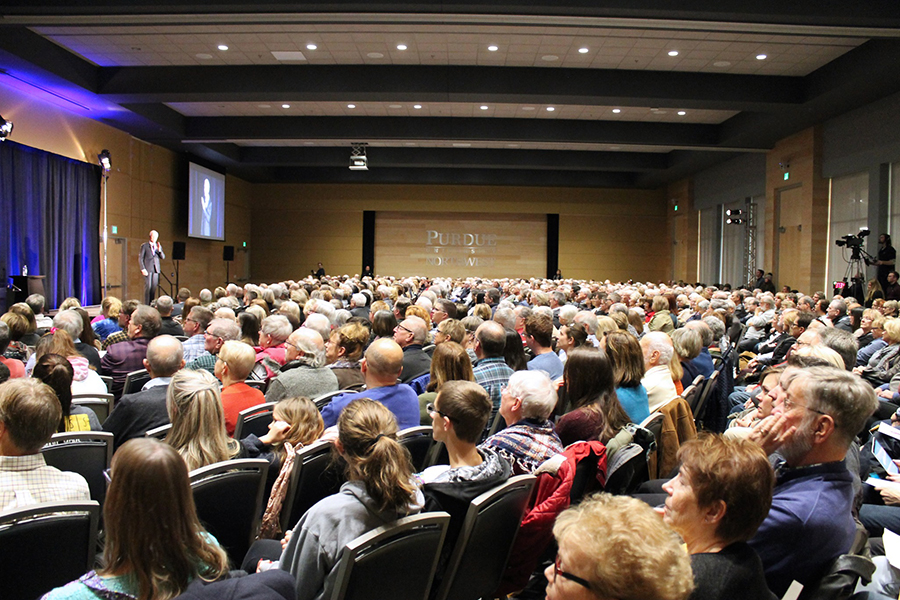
(115, 229)
(245, 244)
(787, 175)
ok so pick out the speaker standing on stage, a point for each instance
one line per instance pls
(151, 252)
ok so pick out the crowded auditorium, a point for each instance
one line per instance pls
(605, 306)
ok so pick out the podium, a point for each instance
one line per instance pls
(28, 284)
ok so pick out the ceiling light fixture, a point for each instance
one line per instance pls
(484, 107)
(583, 50)
(493, 48)
(550, 109)
(311, 47)
(761, 57)
(375, 55)
(402, 46)
(417, 106)
(285, 106)
(673, 52)
(358, 159)
(550, 57)
(681, 113)
(222, 47)
(617, 111)
(105, 161)
(351, 106)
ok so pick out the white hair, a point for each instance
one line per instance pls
(536, 392)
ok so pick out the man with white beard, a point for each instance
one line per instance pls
(817, 413)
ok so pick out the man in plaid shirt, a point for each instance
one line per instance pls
(29, 416)
(491, 371)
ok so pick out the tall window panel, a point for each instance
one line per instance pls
(710, 222)
(849, 212)
(733, 240)
(895, 202)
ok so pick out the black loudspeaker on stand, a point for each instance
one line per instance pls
(228, 256)
(178, 254)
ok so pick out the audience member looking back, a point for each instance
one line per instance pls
(718, 500)
(379, 489)
(149, 486)
(616, 547)
(198, 422)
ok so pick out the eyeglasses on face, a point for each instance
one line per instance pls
(558, 572)
(432, 409)
(789, 404)
(404, 329)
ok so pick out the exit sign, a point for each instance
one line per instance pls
(787, 175)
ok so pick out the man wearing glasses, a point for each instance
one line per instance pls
(194, 326)
(218, 332)
(816, 414)
(410, 334)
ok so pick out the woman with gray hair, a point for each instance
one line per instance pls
(273, 331)
(688, 344)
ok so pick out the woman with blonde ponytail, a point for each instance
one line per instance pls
(380, 489)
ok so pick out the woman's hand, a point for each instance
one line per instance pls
(277, 433)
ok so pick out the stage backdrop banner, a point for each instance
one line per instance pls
(460, 244)
(50, 212)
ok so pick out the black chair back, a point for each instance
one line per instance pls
(134, 381)
(229, 497)
(394, 561)
(254, 420)
(107, 379)
(45, 546)
(314, 477)
(708, 389)
(101, 404)
(323, 400)
(256, 383)
(87, 453)
(418, 441)
(485, 540)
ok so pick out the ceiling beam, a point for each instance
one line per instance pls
(417, 83)
(457, 158)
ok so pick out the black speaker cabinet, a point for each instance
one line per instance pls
(178, 250)
(228, 253)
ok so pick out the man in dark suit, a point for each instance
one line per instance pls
(151, 252)
(135, 414)
(410, 334)
(125, 357)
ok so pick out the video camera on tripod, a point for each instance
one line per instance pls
(854, 242)
(852, 284)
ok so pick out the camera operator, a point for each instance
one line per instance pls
(886, 258)
(892, 291)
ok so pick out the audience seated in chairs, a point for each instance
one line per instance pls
(149, 486)
(30, 414)
(529, 437)
(57, 372)
(135, 414)
(304, 373)
(721, 495)
(198, 422)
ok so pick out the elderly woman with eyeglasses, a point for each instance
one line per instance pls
(616, 547)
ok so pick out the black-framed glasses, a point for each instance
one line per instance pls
(788, 404)
(399, 326)
(558, 572)
(431, 408)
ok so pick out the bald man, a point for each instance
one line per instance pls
(658, 350)
(410, 334)
(304, 373)
(381, 368)
(149, 257)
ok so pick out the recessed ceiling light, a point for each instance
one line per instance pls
(285, 106)
(417, 106)
(375, 55)
(550, 57)
(512, 145)
(264, 105)
(351, 106)
(527, 108)
(460, 145)
(614, 147)
(617, 110)
(722, 63)
(583, 50)
(673, 52)
(550, 109)
(409, 144)
(401, 46)
(309, 143)
(222, 47)
(311, 46)
(493, 48)
(204, 56)
(761, 57)
(484, 107)
(395, 106)
(681, 113)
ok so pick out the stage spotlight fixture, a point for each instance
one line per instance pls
(105, 161)
(734, 212)
(734, 221)
(358, 159)
(6, 128)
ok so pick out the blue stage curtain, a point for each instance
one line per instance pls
(50, 219)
